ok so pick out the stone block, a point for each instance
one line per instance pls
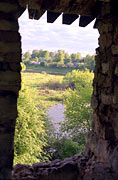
(98, 146)
(115, 96)
(114, 120)
(9, 76)
(6, 66)
(107, 85)
(10, 57)
(106, 9)
(8, 7)
(8, 25)
(94, 102)
(114, 49)
(101, 79)
(98, 127)
(115, 37)
(9, 47)
(105, 28)
(105, 40)
(114, 161)
(23, 3)
(16, 67)
(116, 70)
(5, 149)
(12, 87)
(105, 0)
(106, 99)
(105, 68)
(66, 169)
(102, 41)
(10, 81)
(102, 171)
(8, 103)
(9, 36)
(115, 99)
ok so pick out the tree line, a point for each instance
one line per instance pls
(59, 59)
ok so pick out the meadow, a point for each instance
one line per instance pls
(35, 135)
(50, 87)
(49, 70)
(39, 92)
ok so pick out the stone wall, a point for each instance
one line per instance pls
(99, 161)
(102, 141)
(79, 167)
(10, 82)
(105, 95)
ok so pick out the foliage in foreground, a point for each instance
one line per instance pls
(62, 147)
(30, 130)
(71, 139)
(77, 103)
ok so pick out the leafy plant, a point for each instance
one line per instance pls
(61, 147)
(30, 136)
(77, 103)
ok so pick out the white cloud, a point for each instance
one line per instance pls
(41, 35)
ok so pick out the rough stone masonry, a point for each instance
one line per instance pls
(99, 161)
(10, 80)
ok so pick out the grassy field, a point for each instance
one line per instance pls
(48, 70)
(50, 87)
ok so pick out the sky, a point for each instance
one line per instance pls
(38, 34)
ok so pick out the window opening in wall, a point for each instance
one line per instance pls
(54, 101)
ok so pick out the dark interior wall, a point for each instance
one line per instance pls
(105, 95)
(10, 80)
(99, 161)
(101, 155)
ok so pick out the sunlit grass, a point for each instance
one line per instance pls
(49, 70)
(50, 87)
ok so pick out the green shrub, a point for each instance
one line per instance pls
(77, 104)
(43, 64)
(23, 67)
(30, 136)
(70, 148)
(63, 147)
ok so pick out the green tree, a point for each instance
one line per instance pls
(79, 56)
(77, 103)
(60, 57)
(46, 54)
(30, 136)
(23, 67)
(41, 54)
(81, 66)
(63, 147)
(90, 62)
(26, 57)
(36, 59)
(67, 58)
(73, 57)
(35, 53)
(52, 55)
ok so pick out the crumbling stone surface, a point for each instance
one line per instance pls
(79, 167)
(10, 82)
(55, 170)
(99, 161)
